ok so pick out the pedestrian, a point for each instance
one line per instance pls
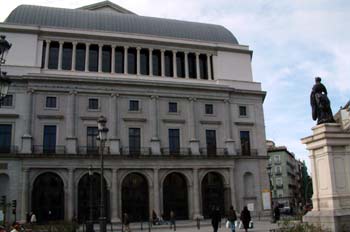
(27, 217)
(215, 218)
(154, 217)
(15, 227)
(126, 223)
(172, 219)
(245, 218)
(276, 213)
(32, 218)
(231, 218)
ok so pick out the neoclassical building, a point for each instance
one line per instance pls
(185, 118)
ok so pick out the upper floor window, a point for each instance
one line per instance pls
(91, 143)
(245, 142)
(203, 66)
(93, 104)
(119, 60)
(180, 64)
(242, 111)
(132, 62)
(209, 109)
(80, 57)
(144, 59)
(67, 56)
(51, 102)
(93, 58)
(7, 101)
(277, 158)
(53, 55)
(134, 105)
(172, 107)
(192, 65)
(106, 58)
(5, 138)
(278, 169)
(168, 62)
(156, 63)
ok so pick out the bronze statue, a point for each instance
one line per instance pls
(320, 104)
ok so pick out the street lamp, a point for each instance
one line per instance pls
(102, 136)
(90, 224)
(4, 81)
(269, 172)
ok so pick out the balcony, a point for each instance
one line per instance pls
(213, 152)
(138, 151)
(10, 149)
(277, 162)
(92, 150)
(252, 152)
(183, 151)
(49, 150)
(279, 186)
(278, 173)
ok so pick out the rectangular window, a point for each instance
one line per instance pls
(279, 181)
(93, 104)
(278, 169)
(5, 138)
(279, 193)
(245, 142)
(174, 141)
(192, 66)
(106, 58)
(180, 64)
(203, 67)
(132, 61)
(277, 158)
(134, 141)
(209, 109)
(134, 105)
(168, 61)
(243, 111)
(172, 107)
(43, 54)
(53, 55)
(156, 63)
(119, 60)
(51, 102)
(67, 52)
(210, 136)
(144, 59)
(7, 101)
(80, 57)
(91, 143)
(49, 143)
(93, 58)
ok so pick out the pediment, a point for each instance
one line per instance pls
(106, 6)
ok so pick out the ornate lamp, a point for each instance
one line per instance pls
(4, 81)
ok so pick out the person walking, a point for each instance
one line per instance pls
(126, 223)
(215, 218)
(276, 213)
(245, 218)
(32, 218)
(232, 217)
(172, 220)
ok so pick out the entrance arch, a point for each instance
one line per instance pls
(84, 197)
(175, 196)
(48, 197)
(135, 197)
(212, 193)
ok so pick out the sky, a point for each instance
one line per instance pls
(293, 41)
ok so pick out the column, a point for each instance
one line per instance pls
(198, 72)
(100, 46)
(24, 197)
(70, 194)
(47, 49)
(70, 123)
(113, 124)
(209, 67)
(114, 197)
(229, 142)
(138, 61)
(156, 191)
(150, 63)
(196, 210)
(192, 127)
(186, 65)
(126, 59)
(27, 137)
(60, 55)
(154, 122)
(113, 59)
(87, 48)
(74, 55)
(233, 189)
(162, 51)
(174, 64)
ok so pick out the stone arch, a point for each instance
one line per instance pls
(175, 195)
(48, 197)
(135, 196)
(222, 173)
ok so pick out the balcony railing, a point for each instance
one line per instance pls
(213, 152)
(90, 150)
(183, 151)
(8, 149)
(252, 152)
(56, 150)
(279, 186)
(139, 151)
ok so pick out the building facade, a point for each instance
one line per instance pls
(185, 118)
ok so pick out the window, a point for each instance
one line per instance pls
(172, 107)
(203, 67)
(168, 61)
(278, 181)
(92, 133)
(49, 143)
(132, 61)
(209, 109)
(53, 55)
(119, 60)
(192, 66)
(134, 141)
(245, 142)
(156, 63)
(144, 59)
(211, 141)
(80, 57)
(134, 105)
(242, 111)
(93, 58)
(277, 158)
(51, 102)
(279, 193)
(106, 58)
(5, 138)
(67, 56)
(180, 64)
(43, 54)
(278, 169)
(174, 141)
(7, 101)
(93, 104)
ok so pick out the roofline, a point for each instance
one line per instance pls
(281, 148)
(106, 3)
(7, 27)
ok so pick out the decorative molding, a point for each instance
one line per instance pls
(134, 119)
(244, 123)
(9, 115)
(210, 122)
(114, 94)
(179, 121)
(89, 118)
(44, 116)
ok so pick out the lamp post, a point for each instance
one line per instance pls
(90, 224)
(4, 81)
(271, 187)
(102, 135)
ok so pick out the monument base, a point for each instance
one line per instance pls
(333, 220)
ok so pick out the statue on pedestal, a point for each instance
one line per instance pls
(320, 104)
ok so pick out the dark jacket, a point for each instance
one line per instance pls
(245, 217)
(215, 217)
(232, 215)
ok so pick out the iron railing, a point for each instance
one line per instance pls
(136, 151)
(251, 152)
(89, 150)
(8, 149)
(213, 151)
(55, 150)
(181, 151)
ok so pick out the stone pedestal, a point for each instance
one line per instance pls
(194, 146)
(71, 145)
(26, 144)
(155, 146)
(329, 148)
(230, 146)
(114, 146)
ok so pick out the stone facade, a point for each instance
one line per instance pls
(239, 169)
